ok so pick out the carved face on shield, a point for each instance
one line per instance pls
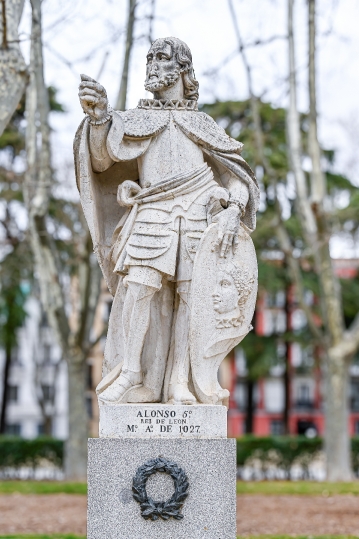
(225, 296)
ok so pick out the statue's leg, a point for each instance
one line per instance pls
(178, 387)
(142, 283)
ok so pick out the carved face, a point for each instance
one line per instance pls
(225, 296)
(162, 69)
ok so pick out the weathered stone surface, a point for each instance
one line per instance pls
(208, 512)
(190, 200)
(160, 421)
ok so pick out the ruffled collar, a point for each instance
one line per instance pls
(168, 104)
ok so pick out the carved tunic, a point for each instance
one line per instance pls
(166, 233)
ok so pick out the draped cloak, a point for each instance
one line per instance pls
(129, 137)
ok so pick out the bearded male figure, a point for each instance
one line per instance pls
(152, 181)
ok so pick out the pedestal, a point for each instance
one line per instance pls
(202, 459)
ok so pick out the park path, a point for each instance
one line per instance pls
(256, 514)
(298, 515)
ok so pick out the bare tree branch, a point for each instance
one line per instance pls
(150, 21)
(122, 95)
(4, 25)
(13, 71)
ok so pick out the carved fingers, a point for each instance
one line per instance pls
(93, 98)
(228, 224)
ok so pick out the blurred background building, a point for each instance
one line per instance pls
(287, 399)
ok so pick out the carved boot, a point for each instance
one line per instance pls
(118, 391)
(180, 394)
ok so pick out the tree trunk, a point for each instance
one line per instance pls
(13, 72)
(250, 407)
(48, 425)
(287, 376)
(287, 385)
(317, 231)
(76, 445)
(122, 95)
(5, 391)
(336, 439)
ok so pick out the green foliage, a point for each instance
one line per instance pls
(301, 488)
(42, 487)
(261, 353)
(350, 295)
(236, 118)
(277, 451)
(16, 452)
(15, 267)
(282, 452)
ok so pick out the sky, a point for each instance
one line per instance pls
(80, 37)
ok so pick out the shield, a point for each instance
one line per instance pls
(224, 292)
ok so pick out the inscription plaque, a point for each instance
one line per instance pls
(161, 421)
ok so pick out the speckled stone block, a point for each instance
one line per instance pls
(209, 512)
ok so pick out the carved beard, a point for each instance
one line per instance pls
(167, 81)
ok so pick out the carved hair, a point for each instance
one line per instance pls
(243, 281)
(184, 59)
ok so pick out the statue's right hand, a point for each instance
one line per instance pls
(93, 98)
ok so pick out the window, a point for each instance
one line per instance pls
(304, 393)
(354, 390)
(89, 407)
(89, 376)
(276, 427)
(44, 321)
(46, 354)
(16, 361)
(13, 429)
(48, 392)
(40, 429)
(356, 427)
(13, 393)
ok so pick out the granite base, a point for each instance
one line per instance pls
(209, 512)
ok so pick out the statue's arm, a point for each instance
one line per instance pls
(239, 193)
(94, 102)
(100, 159)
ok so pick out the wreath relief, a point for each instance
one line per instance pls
(151, 509)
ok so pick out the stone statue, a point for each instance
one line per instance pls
(170, 204)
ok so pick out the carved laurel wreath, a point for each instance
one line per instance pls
(170, 508)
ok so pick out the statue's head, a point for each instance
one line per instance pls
(168, 59)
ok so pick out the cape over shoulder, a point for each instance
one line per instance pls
(198, 126)
(203, 130)
(140, 123)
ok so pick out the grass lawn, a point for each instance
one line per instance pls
(56, 536)
(42, 487)
(308, 488)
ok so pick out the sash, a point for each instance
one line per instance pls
(169, 188)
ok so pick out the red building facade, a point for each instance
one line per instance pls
(304, 382)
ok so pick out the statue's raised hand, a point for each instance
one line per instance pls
(93, 98)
